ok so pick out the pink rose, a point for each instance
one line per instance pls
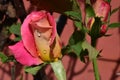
(102, 9)
(40, 42)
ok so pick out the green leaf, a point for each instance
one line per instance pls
(73, 15)
(109, 1)
(115, 10)
(58, 70)
(33, 70)
(18, 38)
(88, 2)
(75, 6)
(89, 11)
(3, 57)
(6, 59)
(15, 28)
(114, 25)
(93, 53)
(77, 37)
(75, 42)
(78, 24)
(77, 48)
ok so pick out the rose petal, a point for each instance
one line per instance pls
(43, 23)
(42, 47)
(22, 56)
(27, 37)
(52, 23)
(43, 27)
(57, 48)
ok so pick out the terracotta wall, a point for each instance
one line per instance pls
(109, 63)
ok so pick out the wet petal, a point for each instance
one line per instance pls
(42, 46)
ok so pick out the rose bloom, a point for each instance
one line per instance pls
(40, 42)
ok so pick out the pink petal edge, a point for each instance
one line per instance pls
(23, 56)
(52, 23)
(27, 36)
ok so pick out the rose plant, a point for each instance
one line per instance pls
(40, 44)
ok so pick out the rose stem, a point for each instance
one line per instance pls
(94, 61)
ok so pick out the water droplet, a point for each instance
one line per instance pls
(38, 34)
(44, 51)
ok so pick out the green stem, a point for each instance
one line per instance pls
(95, 67)
(94, 42)
(94, 61)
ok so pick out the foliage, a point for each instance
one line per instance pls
(6, 59)
(34, 69)
(15, 29)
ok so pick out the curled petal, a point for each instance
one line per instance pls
(52, 23)
(27, 37)
(23, 56)
(57, 48)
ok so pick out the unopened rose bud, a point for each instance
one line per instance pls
(90, 23)
(95, 22)
(102, 9)
(103, 29)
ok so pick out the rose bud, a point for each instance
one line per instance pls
(40, 42)
(102, 9)
(103, 29)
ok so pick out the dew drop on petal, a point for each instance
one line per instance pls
(38, 34)
(44, 51)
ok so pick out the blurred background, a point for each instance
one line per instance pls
(108, 63)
